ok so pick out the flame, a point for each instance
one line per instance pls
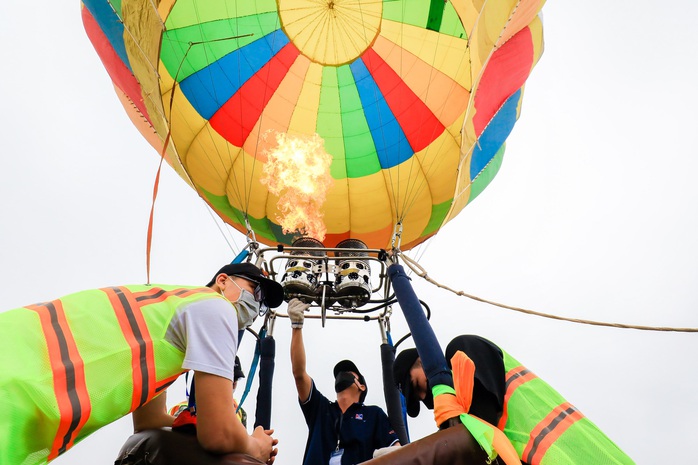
(298, 171)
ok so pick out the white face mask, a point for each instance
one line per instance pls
(246, 306)
(247, 309)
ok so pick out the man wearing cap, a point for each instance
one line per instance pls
(542, 426)
(488, 386)
(344, 432)
(87, 359)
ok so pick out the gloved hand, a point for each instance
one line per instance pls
(384, 450)
(296, 310)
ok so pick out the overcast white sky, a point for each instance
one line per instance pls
(593, 215)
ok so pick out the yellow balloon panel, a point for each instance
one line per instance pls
(446, 54)
(304, 118)
(437, 162)
(244, 188)
(434, 91)
(209, 161)
(410, 197)
(369, 203)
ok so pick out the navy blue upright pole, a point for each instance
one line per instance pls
(392, 395)
(267, 352)
(428, 347)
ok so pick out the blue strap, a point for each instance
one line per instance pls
(253, 369)
(191, 405)
(241, 256)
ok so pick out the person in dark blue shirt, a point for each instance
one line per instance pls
(344, 432)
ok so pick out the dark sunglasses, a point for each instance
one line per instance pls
(258, 293)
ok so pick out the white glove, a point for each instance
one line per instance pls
(296, 310)
(385, 450)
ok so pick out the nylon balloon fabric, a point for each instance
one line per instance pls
(413, 100)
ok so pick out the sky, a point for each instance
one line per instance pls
(592, 216)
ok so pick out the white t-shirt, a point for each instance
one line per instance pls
(207, 332)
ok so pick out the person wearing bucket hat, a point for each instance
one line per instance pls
(345, 431)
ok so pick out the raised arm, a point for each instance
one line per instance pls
(296, 310)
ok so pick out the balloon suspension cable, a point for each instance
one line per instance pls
(251, 238)
(397, 236)
(154, 7)
(421, 272)
(217, 221)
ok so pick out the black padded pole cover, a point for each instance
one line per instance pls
(392, 395)
(267, 353)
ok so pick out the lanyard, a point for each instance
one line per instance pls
(338, 427)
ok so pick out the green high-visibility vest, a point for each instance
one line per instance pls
(75, 364)
(545, 429)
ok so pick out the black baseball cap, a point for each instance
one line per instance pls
(348, 365)
(401, 375)
(273, 291)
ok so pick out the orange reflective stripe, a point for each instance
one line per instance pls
(156, 295)
(515, 378)
(68, 372)
(549, 430)
(165, 383)
(133, 326)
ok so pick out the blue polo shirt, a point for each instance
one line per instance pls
(360, 430)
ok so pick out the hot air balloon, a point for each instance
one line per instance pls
(413, 101)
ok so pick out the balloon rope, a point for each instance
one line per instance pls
(421, 272)
(156, 184)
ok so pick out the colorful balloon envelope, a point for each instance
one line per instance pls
(412, 99)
